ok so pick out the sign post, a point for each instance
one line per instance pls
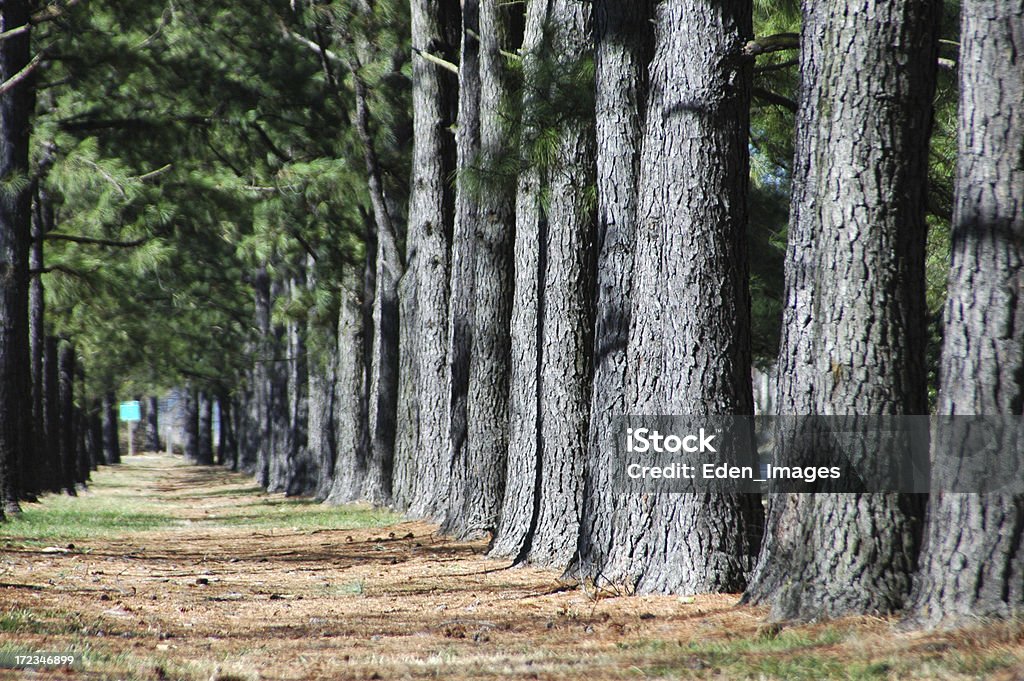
(130, 413)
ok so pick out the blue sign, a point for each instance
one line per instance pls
(130, 411)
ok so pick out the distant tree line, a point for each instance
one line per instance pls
(423, 253)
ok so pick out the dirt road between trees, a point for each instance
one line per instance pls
(166, 571)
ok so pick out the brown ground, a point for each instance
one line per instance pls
(206, 599)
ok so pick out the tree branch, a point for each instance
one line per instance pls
(773, 98)
(21, 75)
(772, 43)
(49, 14)
(437, 61)
(112, 243)
(59, 268)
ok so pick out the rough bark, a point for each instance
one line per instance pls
(190, 427)
(383, 389)
(689, 345)
(559, 292)
(68, 444)
(302, 468)
(83, 456)
(261, 441)
(624, 43)
(351, 435)
(15, 235)
(435, 29)
(282, 438)
(972, 562)
(42, 219)
(322, 438)
(152, 425)
(50, 473)
(111, 445)
(404, 465)
(524, 446)
(865, 202)
(204, 428)
(94, 438)
(477, 509)
(463, 250)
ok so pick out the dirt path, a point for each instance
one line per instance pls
(237, 584)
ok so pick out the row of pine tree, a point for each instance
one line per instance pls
(424, 253)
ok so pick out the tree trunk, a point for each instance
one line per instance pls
(477, 509)
(68, 439)
(83, 460)
(301, 474)
(322, 376)
(260, 434)
(972, 562)
(281, 436)
(152, 426)
(689, 345)
(111, 445)
(625, 40)
(94, 438)
(204, 426)
(15, 236)
(42, 219)
(464, 237)
(382, 400)
(403, 468)
(51, 415)
(521, 473)
(865, 202)
(190, 429)
(351, 436)
(435, 29)
(559, 292)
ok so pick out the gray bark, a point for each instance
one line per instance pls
(322, 437)
(204, 429)
(463, 259)
(258, 453)
(382, 401)
(624, 42)
(190, 428)
(689, 346)
(42, 220)
(521, 474)
(972, 562)
(558, 349)
(351, 435)
(476, 510)
(15, 235)
(404, 468)
(111, 445)
(281, 437)
(301, 473)
(865, 204)
(81, 427)
(435, 29)
(68, 437)
(152, 425)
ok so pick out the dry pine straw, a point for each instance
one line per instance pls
(208, 598)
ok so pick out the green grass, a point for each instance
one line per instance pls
(24, 621)
(802, 656)
(120, 502)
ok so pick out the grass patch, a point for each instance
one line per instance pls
(24, 621)
(61, 518)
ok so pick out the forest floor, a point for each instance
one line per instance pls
(165, 571)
